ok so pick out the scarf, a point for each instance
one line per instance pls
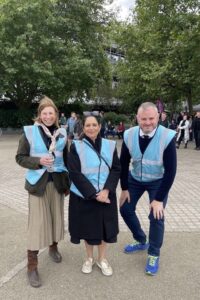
(53, 136)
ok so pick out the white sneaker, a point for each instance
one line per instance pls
(87, 266)
(106, 269)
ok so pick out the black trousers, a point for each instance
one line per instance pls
(197, 138)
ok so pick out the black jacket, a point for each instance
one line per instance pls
(196, 124)
(88, 218)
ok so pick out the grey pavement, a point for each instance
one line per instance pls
(179, 274)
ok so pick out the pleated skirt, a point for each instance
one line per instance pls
(45, 219)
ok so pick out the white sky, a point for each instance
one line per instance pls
(124, 7)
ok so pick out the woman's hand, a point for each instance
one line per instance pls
(46, 161)
(102, 196)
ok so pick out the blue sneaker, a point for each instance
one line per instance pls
(152, 265)
(135, 246)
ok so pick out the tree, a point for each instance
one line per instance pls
(51, 47)
(162, 48)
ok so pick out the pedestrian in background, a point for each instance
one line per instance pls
(120, 130)
(43, 151)
(63, 121)
(78, 127)
(94, 169)
(196, 130)
(152, 150)
(173, 125)
(110, 130)
(163, 120)
(70, 125)
(183, 132)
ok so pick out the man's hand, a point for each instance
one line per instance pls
(102, 196)
(123, 197)
(158, 209)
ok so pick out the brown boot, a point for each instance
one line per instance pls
(54, 254)
(32, 272)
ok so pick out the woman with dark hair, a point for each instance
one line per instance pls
(183, 132)
(43, 151)
(94, 170)
(120, 130)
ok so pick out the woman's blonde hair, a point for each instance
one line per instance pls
(45, 102)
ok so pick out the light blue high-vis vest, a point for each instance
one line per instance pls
(94, 167)
(39, 149)
(149, 165)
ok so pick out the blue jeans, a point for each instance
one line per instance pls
(128, 212)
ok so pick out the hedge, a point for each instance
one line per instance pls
(15, 118)
(18, 118)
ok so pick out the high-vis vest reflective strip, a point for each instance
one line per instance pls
(39, 149)
(149, 166)
(95, 167)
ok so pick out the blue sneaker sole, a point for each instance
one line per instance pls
(130, 252)
(150, 273)
(136, 250)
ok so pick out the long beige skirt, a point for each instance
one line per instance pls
(46, 218)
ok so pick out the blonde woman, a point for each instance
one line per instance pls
(43, 150)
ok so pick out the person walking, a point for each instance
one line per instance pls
(183, 132)
(70, 126)
(43, 151)
(152, 150)
(196, 130)
(94, 170)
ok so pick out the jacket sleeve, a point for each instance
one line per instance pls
(185, 126)
(170, 166)
(23, 157)
(65, 154)
(80, 181)
(113, 177)
(125, 159)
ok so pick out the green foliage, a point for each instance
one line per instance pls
(52, 47)
(24, 117)
(116, 118)
(162, 52)
(77, 107)
(15, 118)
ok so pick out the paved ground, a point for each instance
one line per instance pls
(180, 263)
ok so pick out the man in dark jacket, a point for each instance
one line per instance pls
(163, 120)
(196, 130)
(152, 150)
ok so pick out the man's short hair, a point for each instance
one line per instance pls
(147, 105)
